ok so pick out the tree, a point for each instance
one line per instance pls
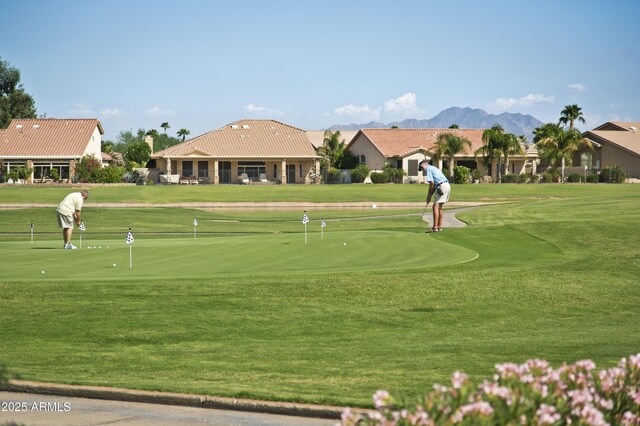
(152, 132)
(332, 149)
(570, 114)
(14, 101)
(183, 133)
(138, 153)
(165, 126)
(454, 126)
(499, 145)
(448, 145)
(557, 145)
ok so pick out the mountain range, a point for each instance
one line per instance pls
(465, 118)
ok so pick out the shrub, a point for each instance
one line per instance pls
(476, 175)
(529, 393)
(575, 177)
(55, 176)
(377, 177)
(90, 170)
(552, 176)
(461, 174)
(394, 174)
(534, 178)
(512, 178)
(593, 178)
(612, 175)
(359, 173)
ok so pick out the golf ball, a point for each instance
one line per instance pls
(114, 265)
(344, 244)
(43, 272)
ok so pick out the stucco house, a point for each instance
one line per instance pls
(245, 151)
(49, 143)
(614, 144)
(405, 148)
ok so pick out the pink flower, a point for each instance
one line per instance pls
(547, 415)
(459, 379)
(586, 364)
(381, 399)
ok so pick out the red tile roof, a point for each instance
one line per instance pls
(402, 142)
(246, 139)
(47, 138)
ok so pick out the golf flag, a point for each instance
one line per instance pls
(195, 224)
(82, 228)
(322, 226)
(129, 239)
(305, 219)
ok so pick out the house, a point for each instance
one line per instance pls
(245, 151)
(614, 144)
(49, 143)
(405, 148)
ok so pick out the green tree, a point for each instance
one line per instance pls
(152, 132)
(454, 126)
(499, 145)
(165, 126)
(138, 154)
(557, 145)
(448, 145)
(332, 149)
(570, 114)
(184, 133)
(14, 101)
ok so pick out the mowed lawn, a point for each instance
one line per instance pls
(248, 309)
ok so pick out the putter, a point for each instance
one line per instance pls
(421, 216)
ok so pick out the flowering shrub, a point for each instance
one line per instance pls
(532, 393)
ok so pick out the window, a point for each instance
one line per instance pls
(413, 167)
(187, 168)
(363, 159)
(275, 170)
(203, 169)
(300, 170)
(251, 168)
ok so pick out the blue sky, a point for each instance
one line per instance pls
(202, 64)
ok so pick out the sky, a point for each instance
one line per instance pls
(202, 64)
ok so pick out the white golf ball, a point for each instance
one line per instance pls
(114, 265)
(344, 244)
(43, 272)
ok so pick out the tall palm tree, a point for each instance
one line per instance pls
(570, 114)
(165, 126)
(557, 145)
(499, 145)
(153, 133)
(183, 133)
(448, 145)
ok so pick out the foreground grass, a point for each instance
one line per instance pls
(555, 279)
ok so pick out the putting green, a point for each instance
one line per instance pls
(206, 257)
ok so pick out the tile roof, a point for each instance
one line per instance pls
(627, 140)
(317, 136)
(47, 138)
(402, 142)
(246, 139)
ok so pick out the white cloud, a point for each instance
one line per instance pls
(111, 112)
(525, 101)
(157, 112)
(81, 110)
(262, 110)
(404, 105)
(358, 112)
(577, 88)
(616, 106)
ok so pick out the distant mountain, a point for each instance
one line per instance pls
(465, 118)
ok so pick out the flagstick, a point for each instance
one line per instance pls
(305, 233)
(81, 234)
(194, 232)
(130, 257)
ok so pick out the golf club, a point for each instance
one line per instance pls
(421, 216)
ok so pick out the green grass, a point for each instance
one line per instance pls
(248, 310)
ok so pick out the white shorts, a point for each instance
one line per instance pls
(444, 198)
(65, 221)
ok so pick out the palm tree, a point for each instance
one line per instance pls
(183, 133)
(557, 145)
(332, 148)
(153, 133)
(448, 145)
(570, 114)
(454, 126)
(499, 145)
(165, 126)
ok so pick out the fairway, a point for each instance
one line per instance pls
(208, 257)
(247, 309)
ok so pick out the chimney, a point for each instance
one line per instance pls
(149, 141)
